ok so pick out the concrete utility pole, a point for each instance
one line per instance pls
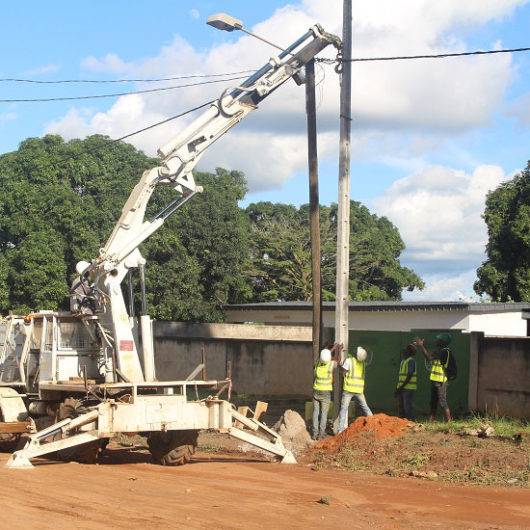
(343, 216)
(314, 217)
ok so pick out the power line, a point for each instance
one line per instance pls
(433, 56)
(72, 98)
(163, 121)
(441, 55)
(59, 81)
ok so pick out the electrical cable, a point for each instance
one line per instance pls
(73, 98)
(433, 56)
(95, 81)
(163, 121)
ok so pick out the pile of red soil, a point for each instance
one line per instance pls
(380, 426)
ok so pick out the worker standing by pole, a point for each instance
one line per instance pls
(343, 214)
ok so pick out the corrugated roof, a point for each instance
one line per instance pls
(390, 306)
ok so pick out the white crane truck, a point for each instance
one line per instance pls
(71, 381)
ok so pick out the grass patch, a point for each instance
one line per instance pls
(417, 460)
(504, 426)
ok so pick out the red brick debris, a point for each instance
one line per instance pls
(380, 426)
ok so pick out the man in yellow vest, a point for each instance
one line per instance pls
(322, 387)
(407, 383)
(353, 387)
(440, 362)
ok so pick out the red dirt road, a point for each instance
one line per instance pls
(221, 492)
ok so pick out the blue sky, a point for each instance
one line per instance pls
(430, 138)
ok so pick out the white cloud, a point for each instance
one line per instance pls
(44, 69)
(256, 153)
(109, 63)
(445, 287)
(7, 116)
(194, 13)
(390, 99)
(438, 213)
(520, 109)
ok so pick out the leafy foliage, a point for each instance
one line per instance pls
(505, 275)
(197, 263)
(281, 254)
(59, 202)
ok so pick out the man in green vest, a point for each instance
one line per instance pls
(322, 387)
(354, 369)
(407, 383)
(440, 362)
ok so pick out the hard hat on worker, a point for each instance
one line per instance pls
(361, 354)
(444, 337)
(325, 356)
(81, 267)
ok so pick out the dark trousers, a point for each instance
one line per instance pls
(438, 395)
(321, 401)
(406, 405)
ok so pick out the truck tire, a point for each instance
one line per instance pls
(172, 448)
(86, 453)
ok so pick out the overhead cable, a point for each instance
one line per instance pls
(163, 121)
(432, 56)
(95, 81)
(72, 98)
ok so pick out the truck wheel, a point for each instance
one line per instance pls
(85, 453)
(173, 448)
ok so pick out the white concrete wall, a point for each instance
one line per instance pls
(510, 324)
(498, 323)
(361, 320)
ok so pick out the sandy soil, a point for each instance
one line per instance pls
(229, 491)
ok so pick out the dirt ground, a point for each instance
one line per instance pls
(391, 446)
(226, 490)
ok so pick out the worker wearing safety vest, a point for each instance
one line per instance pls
(407, 383)
(322, 387)
(440, 362)
(354, 369)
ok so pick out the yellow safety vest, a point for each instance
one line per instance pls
(323, 376)
(354, 378)
(403, 372)
(438, 370)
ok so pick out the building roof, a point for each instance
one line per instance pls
(493, 307)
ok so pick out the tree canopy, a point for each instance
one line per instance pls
(505, 275)
(59, 202)
(281, 254)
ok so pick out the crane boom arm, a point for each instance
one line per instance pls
(179, 157)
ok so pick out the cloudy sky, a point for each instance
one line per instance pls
(430, 137)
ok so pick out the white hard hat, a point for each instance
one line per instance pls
(361, 354)
(82, 267)
(325, 356)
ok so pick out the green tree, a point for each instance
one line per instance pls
(59, 202)
(201, 257)
(281, 254)
(505, 275)
(4, 291)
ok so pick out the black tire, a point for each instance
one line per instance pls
(173, 448)
(86, 453)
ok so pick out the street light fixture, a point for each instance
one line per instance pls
(225, 22)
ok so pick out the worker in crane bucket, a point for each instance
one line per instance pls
(322, 387)
(81, 294)
(354, 370)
